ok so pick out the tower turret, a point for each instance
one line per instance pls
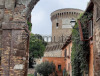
(61, 26)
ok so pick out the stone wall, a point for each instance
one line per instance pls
(14, 36)
(96, 37)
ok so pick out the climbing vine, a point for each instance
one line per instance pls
(29, 25)
(84, 24)
(80, 49)
(76, 49)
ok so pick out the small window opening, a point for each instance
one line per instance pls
(59, 67)
(57, 25)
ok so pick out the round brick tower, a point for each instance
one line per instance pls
(61, 26)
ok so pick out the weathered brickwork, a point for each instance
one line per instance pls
(96, 43)
(96, 37)
(14, 36)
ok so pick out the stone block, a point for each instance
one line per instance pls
(6, 25)
(8, 15)
(19, 66)
(1, 14)
(6, 18)
(9, 4)
(2, 2)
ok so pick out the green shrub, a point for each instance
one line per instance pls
(46, 68)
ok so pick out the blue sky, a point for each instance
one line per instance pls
(41, 23)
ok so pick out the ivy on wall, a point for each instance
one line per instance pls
(80, 54)
(29, 25)
(84, 24)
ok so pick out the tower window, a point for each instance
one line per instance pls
(57, 24)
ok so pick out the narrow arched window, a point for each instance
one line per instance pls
(57, 25)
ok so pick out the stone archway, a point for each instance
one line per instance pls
(14, 35)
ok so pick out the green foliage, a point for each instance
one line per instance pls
(80, 53)
(84, 23)
(29, 25)
(46, 68)
(85, 18)
(36, 48)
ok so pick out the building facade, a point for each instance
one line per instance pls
(66, 53)
(59, 64)
(94, 63)
(53, 54)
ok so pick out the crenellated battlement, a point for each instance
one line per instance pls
(68, 12)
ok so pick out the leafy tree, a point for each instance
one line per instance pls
(36, 48)
(46, 68)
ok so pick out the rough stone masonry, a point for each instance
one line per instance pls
(14, 36)
(96, 37)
